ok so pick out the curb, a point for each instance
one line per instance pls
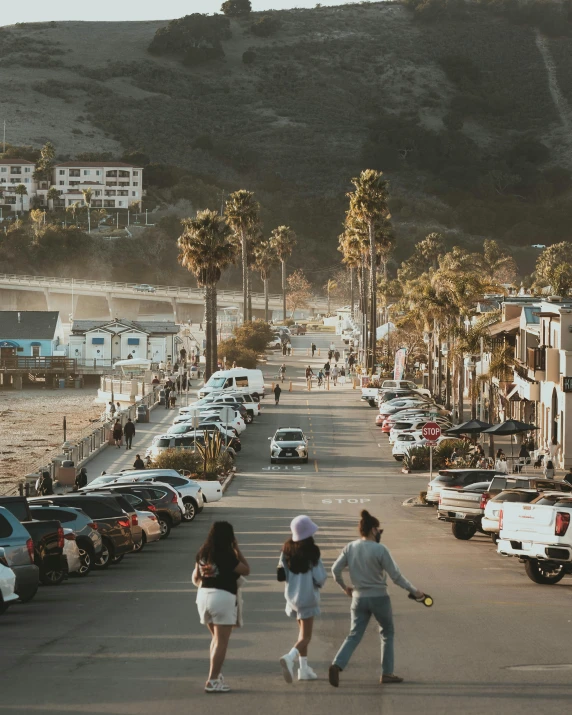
(227, 482)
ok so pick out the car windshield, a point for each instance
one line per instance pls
(216, 382)
(163, 442)
(288, 436)
(179, 429)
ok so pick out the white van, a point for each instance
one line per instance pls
(241, 380)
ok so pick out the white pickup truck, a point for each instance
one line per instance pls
(540, 535)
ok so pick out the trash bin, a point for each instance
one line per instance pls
(61, 384)
(77, 383)
(67, 463)
(143, 413)
(161, 397)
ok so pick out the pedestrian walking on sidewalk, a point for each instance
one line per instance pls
(337, 355)
(219, 565)
(80, 480)
(46, 485)
(313, 349)
(369, 564)
(327, 370)
(277, 393)
(301, 568)
(117, 433)
(129, 432)
(138, 463)
(342, 377)
(167, 398)
(282, 371)
(335, 375)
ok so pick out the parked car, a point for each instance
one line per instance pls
(297, 329)
(149, 523)
(402, 426)
(190, 489)
(48, 538)
(456, 479)
(490, 520)
(404, 442)
(405, 385)
(86, 532)
(251, 407)
(8, 593)
(18, 554)
(104, 511)
(539, 534)
(288, 444)
(128, 509)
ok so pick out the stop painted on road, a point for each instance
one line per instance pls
(348, 500)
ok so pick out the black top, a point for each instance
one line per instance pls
(225, 578)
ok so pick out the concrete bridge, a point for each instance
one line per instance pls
(85, 298)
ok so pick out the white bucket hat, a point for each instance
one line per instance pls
(302, 527)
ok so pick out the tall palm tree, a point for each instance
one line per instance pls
(266, 260)
(368, 209)
(73, 209)
(53, 195)
(21, 191)
(243, 215)
(206, 249)
(283, 240)
(87, 196)
(330, 286)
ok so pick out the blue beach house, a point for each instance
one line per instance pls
(30, 333)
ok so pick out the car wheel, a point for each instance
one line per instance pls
(117, 559)
(494, 538)
(141, 545)
(51, 577)
(248, 418)
(28, 595)
(544, 572)
(256, 396)
(463, 531)
(191, 510)
(165, 524)
(105, 557)
(86, 561)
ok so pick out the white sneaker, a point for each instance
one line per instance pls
(287, 663)
(307, 674)
(217, 686)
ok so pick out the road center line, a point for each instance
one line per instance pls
(316, 465)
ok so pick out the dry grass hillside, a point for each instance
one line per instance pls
(469, 117)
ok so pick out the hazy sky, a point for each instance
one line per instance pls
(39, 10)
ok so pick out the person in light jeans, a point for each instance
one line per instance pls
(368, 562)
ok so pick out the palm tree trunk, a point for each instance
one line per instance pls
(473, 391)
(244, 276)
(448, 376)
(352, 291)
(461, 403)
(208, 331)
(266, 299)
(430, 353)
(214, 340)
(373, 298)
(284, 288)
(249, 287)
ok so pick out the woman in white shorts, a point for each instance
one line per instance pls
(219, 565)
(301, 567)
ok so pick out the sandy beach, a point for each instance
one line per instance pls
(31, 427)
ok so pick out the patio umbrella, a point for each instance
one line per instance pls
(510, 427)
(470, 427)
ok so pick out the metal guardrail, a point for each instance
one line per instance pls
(108, 286)
(38, 363)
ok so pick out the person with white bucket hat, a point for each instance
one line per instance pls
(301, 568)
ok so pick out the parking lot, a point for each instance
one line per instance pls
(127, 640)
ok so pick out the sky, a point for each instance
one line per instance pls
(41, 11)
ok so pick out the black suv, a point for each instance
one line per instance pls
(112, 522)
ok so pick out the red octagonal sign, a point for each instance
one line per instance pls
(431, 431)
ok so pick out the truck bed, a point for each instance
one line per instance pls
(459, 505)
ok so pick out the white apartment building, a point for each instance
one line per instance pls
(15, 172)
(114, 185)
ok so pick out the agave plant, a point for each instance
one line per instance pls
(214, 455)
(416, 458)
(444, 450)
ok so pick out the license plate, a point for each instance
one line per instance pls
(459, 515)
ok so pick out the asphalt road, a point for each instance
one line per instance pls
(128, 640)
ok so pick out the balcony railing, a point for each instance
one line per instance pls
(38, 363)
(536, 358)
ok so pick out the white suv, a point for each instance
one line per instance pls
(211, 491)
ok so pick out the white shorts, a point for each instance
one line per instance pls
(217, 607)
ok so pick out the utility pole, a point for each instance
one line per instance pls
(4, 139)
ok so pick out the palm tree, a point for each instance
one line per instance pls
(368, 212)
(73, 209)
(53, 195)
(206, 249)
(266, 260)
(330, 286)
(87, 196)
(21, 191)
(243, 215)
(283, 240)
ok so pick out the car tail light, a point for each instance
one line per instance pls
(484, 499)
(69, 537)
(123, 522)
(93, 525)
(152, 518)
(30, 547)
(152, 507)
(134, 520)
(562, 523)
(174, 499)
(501, 517)
(60, 538)
(3, 561)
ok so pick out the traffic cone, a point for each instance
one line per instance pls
(309, 383)
(328, 385)
(272, 388)
(290, 390)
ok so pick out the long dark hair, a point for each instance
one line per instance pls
(301, 556)
(367, 523)
(220, 542)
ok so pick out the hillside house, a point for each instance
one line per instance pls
(31, 333)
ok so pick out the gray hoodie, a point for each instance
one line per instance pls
(302, 590)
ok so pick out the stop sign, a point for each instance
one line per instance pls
(431, 431)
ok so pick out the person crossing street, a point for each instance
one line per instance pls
(277, 392)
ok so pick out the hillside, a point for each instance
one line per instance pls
(469, 117)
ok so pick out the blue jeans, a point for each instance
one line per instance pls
(363, 608)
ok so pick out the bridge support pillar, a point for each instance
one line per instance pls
(176, 312)
(9, 299)
(125, 308)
